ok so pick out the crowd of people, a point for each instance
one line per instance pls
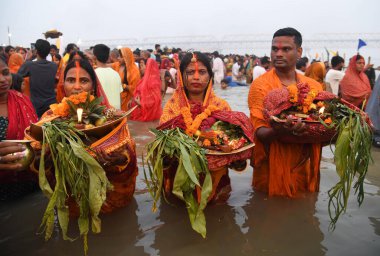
(31, 80)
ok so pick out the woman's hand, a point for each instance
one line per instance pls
(115, 158)
(7, 156)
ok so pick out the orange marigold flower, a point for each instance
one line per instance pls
(206, 143)
(320, 104)
(328, 120)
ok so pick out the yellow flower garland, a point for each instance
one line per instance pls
(193, 125)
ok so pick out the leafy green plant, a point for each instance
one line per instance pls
(77, 175)
(352, 156)
(192, 162)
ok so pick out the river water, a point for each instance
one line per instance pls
(250, 223)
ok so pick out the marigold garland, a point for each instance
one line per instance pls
(63, 109)
(302, 99)
(193, 125)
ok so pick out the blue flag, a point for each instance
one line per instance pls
(361, 44)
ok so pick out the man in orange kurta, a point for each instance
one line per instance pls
(279, 168)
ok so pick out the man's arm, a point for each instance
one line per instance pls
(24, 70)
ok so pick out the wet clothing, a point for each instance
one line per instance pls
(280, 168)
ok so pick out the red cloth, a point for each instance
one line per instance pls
(21, 114)
(149, 92)
(355, 86)
(165, 64)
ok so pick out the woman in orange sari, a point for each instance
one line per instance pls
(15, 62)
(115, 151)
(194, 106)
(129, 74)
(317, 71)
(355, 86)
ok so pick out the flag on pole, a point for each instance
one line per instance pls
(361, 44)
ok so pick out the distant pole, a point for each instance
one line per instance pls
(9, 37)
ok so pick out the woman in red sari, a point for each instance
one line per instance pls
(148, 94)
(115, 151)
(16, 113)
(355, 86)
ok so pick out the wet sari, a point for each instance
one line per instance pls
(117, 142)
(21, 114)
(172, 117)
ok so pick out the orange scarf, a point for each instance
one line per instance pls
(317, 71)
(179, 104)
(133, 77)
(15, 62)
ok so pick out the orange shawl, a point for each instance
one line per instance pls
(133, 77)
(14, 64)
(317, 71)
(179, 100)
(281, 169)
(355, 86)
(60, 87)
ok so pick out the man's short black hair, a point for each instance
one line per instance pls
(101, 52)
(290, 32)
(157, 45)
(43, 48)
(53, 46)
(70, 47)
(8, 48)
(264, 60)
(301, 63)
(336, 60)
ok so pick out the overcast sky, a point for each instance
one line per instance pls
(117, 19)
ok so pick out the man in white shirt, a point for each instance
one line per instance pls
(335, 75)
(235, 70)
(261, 68)
(109, 78)
(218, 69)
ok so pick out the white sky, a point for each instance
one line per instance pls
(117, 19)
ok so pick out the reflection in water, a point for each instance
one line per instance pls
(283, 226)
(249, 223)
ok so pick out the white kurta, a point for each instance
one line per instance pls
(218, 69)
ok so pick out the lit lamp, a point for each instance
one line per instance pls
(79, 114)
(321, 110)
